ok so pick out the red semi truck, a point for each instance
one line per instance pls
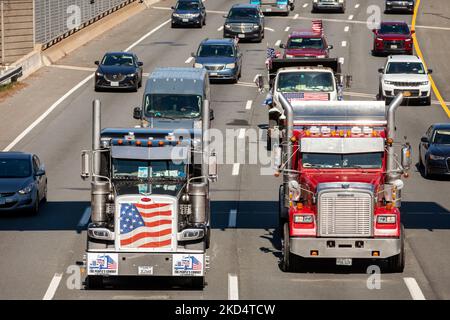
(341, 190)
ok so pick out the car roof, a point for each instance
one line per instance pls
(218, 41)
(14, 155)
(403, 58)
(245, 5)
(441, 126)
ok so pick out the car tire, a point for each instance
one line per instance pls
(35, 210)
(204, 21)
(426, 172)
(173, 25)
(396, 264)
(44, 198)
(289, 262)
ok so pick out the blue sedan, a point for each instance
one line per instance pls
(23, 182)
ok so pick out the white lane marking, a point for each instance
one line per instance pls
(350, 17)
(188, 60)
(233, 287)
(60, 66)
(232, 218)
(270, 29)
(220, 28)
(85, 218)
(344, 43)
(53, 287)
(145, 74)
(346, 28)
(277, 44)
(287, 29)
(248, 105)
(79, 85)
(241, 134)
(341, 60)
(245, 84)
(296, 16)
(305, 5)
(235, 171)
(357, 6)
(414, 289)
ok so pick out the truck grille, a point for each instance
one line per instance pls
(413, 93)
(389, 43)
(345, 214)
(405, 84)
(114, 77)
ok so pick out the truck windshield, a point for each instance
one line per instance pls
(405, 68)
(305, 43)
(172, 105)
(146, 169)
(373, 160)
(305, 81)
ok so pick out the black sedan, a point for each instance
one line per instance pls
(118, 70)
(245, 22)
(399, 6)
(434, 150)
(23, 183)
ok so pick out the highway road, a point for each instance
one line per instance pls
(37, 251)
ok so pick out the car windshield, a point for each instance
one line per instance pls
(148, 169)
(372, 160)
(216, 50)
(245, 13)
(305, 43)
(305, 81)
(405, 68)
(173, 105)
(394, 29)
(15, 168)
(118, 60)
(441, 137)
(187, 5)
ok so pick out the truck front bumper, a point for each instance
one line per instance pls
(144, 264)
(345, 247)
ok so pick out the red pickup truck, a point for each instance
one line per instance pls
(306, 44)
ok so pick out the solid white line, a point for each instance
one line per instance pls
(346, 28)
(248, 105)
(233, 287)
(241, 134)
(344, 43)
(53, 287)
(350, 17)
(220, 28)
(296, 16)
(85, 217)
(287, 29)
(305, 5)
(277, 44)
(79, 85)
(414, 289)
(357, 6)
(235, 171)
(270, 29)
(188, 60)
(232, 218)
(341, 60)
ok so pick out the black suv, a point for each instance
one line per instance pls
(244, 21)
(189, 12)
(399, 6)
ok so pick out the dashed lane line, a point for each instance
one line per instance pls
(346, 29)
(248, 105)
(220, 28)
(414, 289)
(51, 290)
(233, 287)
(188, 60)
(277, 44)
(344, 43)
(235, 171)
(287, 29)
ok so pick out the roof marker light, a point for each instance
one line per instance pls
(356, 130)
(325, 130)
(315, 130)
(367, 130)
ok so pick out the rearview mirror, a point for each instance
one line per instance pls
(406, 157)
(225, 16)
(97, 62)
(330, 47)
(374, 30)
(137, 113)
(380, 70)
(424, 139)
(430, 71)
(212, 167)
(413, 31)
(140, 63)
(282, 46)
(193, 54)
(172, 7)
(85, 164)
(259, 81)
(40, 172)
(211, 115)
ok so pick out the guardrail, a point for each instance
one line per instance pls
(11, 74)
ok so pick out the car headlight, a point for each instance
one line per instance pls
(230, 66)
(198, 65)
(435, 157)
(256, 27)
(27, 189)
(386, 219)
(99, 74)
(289, 56)
(195, 15)
(387, 82)
(227, 26)
(424, 83)
(131, 75)
(303, 218)
(407, 40)
(176, 15)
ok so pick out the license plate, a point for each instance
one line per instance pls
(213, 74)
(241, 35)
(2, 201)
(114, 84)
(343, 261)
(185, 20)
(406, 93)
(393, 46)
(145, 270)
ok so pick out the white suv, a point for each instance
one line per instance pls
(406, 74)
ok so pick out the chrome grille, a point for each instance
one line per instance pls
(405, 84)
(114, 77)
(214, 68)
(345, 214)
(242, 27)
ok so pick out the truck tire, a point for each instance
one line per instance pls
(289, 261)
(396, 264)
(94, 282)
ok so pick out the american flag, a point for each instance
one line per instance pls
(306, 96)
(317, 26)
(104, 262)
(189, 263)
(270, 54)
(145, 225)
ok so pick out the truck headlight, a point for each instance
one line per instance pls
(230, 66)
(303, 218)
(26, 190)
(387, 82)
(198, 65)
(190, 234)
(386, 219)
(435, 157)
(424, 83)
(321, 56)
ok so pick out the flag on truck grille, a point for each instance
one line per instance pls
(270, 54)
(317, 26)
(145, 225)
(306, 96)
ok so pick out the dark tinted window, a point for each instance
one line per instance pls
(118, 60)
(356, 160)
(187, 5)
(394, 29)
(441, 137)
(172, 105)
(15, 168)
(215, 50)
(246, 13)
(305, 43)
(405, 67)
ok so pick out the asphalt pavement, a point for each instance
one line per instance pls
(37, 251)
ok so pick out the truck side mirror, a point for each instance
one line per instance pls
(430, 71)
(380, 70)
(413, 31)
(259, 81)
(137, 113)
(211, 115)
(330, 47)
(97, 62)
(85, 164)
(212, 167)
(406, 156)
(140, 63)
(348, 81)
(424, 139)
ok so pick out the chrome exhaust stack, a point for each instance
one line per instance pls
(392, 169)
